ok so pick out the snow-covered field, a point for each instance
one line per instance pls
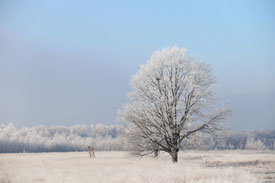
(120, 167)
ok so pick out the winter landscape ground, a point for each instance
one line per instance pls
(121, 167)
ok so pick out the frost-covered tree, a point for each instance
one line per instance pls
(173, 98)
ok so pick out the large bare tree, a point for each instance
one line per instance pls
(173, 98)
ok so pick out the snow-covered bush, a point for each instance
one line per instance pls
(253, 144)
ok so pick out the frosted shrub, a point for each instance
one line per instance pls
(253, 144)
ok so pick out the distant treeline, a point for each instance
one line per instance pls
(254, 140)
(59, 138)
(109, 138)
(250, 140)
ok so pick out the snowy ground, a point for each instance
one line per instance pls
(120, 167)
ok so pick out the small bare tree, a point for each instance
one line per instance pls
(138, 144)
(172, 98)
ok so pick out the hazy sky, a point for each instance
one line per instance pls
(68, 62)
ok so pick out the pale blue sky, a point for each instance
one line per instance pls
(67, 62)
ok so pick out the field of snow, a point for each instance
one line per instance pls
(120, 167)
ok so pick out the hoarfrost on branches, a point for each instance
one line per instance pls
(173, 98)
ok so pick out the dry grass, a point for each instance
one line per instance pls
(119, 167)
(261, 164)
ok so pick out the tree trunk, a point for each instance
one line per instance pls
(174, 155)
(175, 149)
(156, 153)
(155, 149)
